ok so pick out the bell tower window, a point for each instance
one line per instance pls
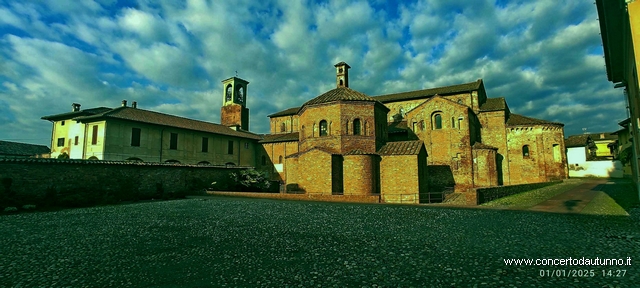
(356, 127)
(323, 128)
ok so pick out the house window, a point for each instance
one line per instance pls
(437, 121)
(230, 147)
(283, 127)
(556, 152)
(62, 123)
(173, 144)
(323, 128)
(75, 140)
(525, 151)
(94, 138)
(135, 137)
(60, 142)
(205, 144)
(356, 127)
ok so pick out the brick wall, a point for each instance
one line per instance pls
(30, 179)
(359, 174)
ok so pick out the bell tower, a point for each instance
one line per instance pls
(234, 112)
(342, 74)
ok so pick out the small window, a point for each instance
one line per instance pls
(525, 151)
(230, 147)
(62, 123)
(94, 138)
(205, 144)
(556, 153)
(323, 128)
(246, 145)
(60, 142)
(453, 122)
(280, 159)
(437, 121)
(75, 140)
(173, 144)
(421, 125)
(283, 127)
(135, 137)
(356, 127)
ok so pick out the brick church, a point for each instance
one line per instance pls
(395, 148)
(402, 145)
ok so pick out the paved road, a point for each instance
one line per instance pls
(572, 201)
(268, 243)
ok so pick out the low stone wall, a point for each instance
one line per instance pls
(31, 180)
(307, 197)
(483, 195)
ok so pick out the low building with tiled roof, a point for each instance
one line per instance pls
(10, 149)
(128, 133)
(478, 138)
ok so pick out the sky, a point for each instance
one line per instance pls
(544, 56)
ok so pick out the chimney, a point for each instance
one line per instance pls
(124, 103)
(76, 107)
(601, 135)
(134, 104)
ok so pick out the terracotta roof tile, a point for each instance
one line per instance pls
(401, 148)
(22, 149)
(287, 112)
(479, 145)
(70, 115)
(339, 94)
(493, 104)
(576, 141)
(448, 90)
(516, 120)
(151, 117)
(358, 152)
(287, 137)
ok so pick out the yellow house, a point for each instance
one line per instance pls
(133, 134)
(620, 32)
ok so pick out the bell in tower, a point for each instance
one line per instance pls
(342, 74)
(234, 112)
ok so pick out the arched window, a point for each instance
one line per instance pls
(134, 159)
(283, 127)
(93, 158)
(437, 121)
(229, 92)
(172, 161)
(525, 151)
(280, 159)
(421, 125)
(356, 127)
(204, 163)
(323, 128)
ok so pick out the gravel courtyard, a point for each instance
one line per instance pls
(239, 242)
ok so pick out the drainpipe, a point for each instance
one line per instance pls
(84, 142)
(161, 141)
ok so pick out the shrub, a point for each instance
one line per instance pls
(251, 180)
(10, 209)
(63, 155)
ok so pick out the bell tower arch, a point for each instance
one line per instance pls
(342, 74)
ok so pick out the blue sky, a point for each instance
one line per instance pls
(545, 57)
